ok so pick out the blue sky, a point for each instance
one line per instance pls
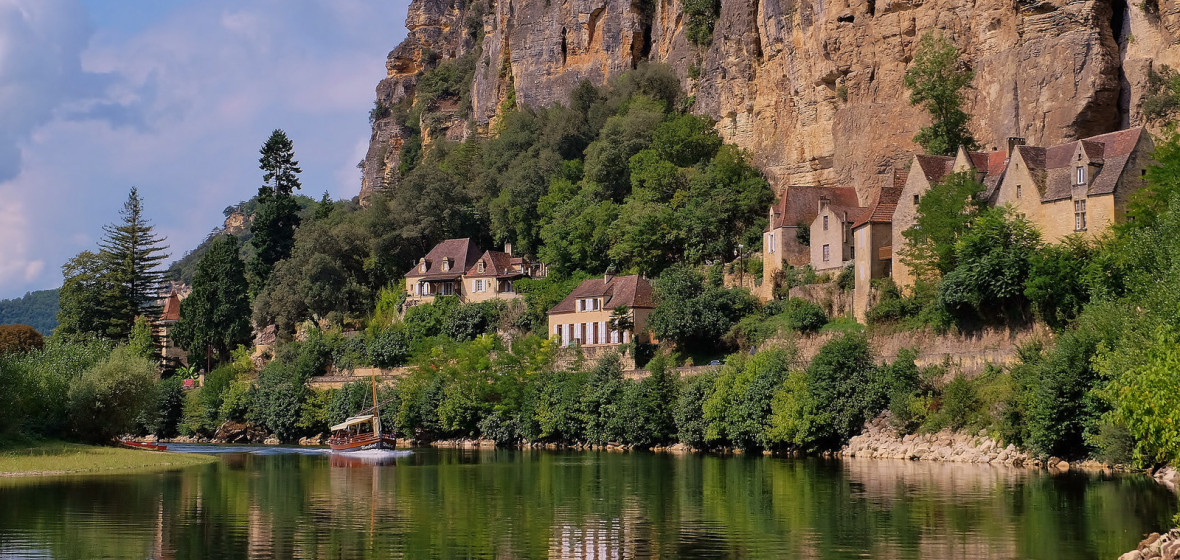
(174, 97)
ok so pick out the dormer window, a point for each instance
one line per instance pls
(589, 304)
(480, 267)
(1081, 175)
(446, 265)
(422, 266)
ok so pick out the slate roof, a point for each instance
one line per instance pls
(799, 205)
(462, 252)
(1112, 151)
(632, 291)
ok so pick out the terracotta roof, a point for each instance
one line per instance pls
(881, 210)
(462, 253)
(935, 167)
(899, 177)
(171, 308)
(496, 264)
(1054, 169)
(799, 205)
(631, 291)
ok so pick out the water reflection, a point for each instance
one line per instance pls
(503, 504)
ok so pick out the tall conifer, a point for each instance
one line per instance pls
(215, 318)
(132, 252)
(277, 215)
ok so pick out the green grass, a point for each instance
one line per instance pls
(49, 458)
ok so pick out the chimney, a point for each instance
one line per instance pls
(508, 249)
(608, 275)
(823, 200)
(1014, 141)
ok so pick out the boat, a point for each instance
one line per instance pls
(138, 445)
(363, 431)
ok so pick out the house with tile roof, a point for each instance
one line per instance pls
(925, 171)
(162, 328)
(1079, 187)
(583, 318)
(494, 274)
(831, 234)
(458, 267)
(790, 219)
(872, 237)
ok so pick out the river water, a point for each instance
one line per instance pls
(280, 503)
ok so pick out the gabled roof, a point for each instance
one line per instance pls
(171, 310)
(935, 167)
(1110, 151)
(882, 207)
(461, 252)
(799, 205)
(496, 264)
(631, 291)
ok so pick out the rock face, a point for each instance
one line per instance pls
(813, 88)
(1157, 546)
(880, 441)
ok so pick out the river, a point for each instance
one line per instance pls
(436, 503)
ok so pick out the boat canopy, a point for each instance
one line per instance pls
(364, 419)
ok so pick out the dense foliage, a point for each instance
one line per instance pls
(936, 79)
(277, 216)
(215, 317)
(19, 339)
(36, 309)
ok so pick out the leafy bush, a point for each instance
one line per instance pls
(739, 406)
(701, 15)
(280, 398)
(107, 398)
(648, 406)
(839, 381)
(691, 425)
(693, 314)
(169, 407)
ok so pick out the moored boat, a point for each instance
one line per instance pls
(138, 445)
(363, 431)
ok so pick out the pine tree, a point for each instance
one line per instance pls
(215, 318)
(324, 208)
(133, 254)
(277, 215)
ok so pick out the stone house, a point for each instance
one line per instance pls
(926, 171)
(1077, 187)
(440, 272)
(171, 355)
(494, 274)
(873, 239)
(583, 317)
(794, 211)
(831, 235)
(460, 268)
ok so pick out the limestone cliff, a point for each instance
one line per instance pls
(813, 88)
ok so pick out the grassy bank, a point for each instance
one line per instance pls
(45, 458)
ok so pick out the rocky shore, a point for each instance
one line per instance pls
(1157, 547)
(880, 440)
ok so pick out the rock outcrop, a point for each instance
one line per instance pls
(813, 88)
(879, 440)
(1157, 547)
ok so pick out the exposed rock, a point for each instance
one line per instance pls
(1046, 70)
(1156, 546)
(880, 440)
(238, 432)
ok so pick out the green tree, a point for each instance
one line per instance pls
(107, 398)
(944, 214)
(993, 264)
(695, 315)
(323, 209)
(1056, 285)
(141, 342)
(1162, 184)
(86, 294)
(133, 253)
(215, 318)
(936, 79)
(277, 215)
(702, 16)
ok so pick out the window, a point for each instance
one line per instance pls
(480, 267)
(770, 243)
(827, 253)
(852, 252)
(1079, 215)
(825, 223)
(589, 304)
(915, 200)
(1018, 191)
(506, 287)
(479, 286)
(422, 267)
(1081, 175)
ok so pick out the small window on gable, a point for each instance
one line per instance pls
(915, 200)
(1081, 175)
(1017, 191)
(825, 223)
(480, 267)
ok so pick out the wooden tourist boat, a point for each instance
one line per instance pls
(363, 431)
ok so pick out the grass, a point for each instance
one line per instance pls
(842, 324)
(49, 458)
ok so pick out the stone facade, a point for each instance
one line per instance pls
(796, 209)
(456, 267)
(583, 318)
(831, 235)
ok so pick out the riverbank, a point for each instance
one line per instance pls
(51, 458)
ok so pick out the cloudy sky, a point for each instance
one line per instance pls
(174, 97)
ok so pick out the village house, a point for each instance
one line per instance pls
(494, 274)
(873, 240)
(171, 355)
(457, 267)
(1079, 187)
(786, 240)
(831, 235)
(583, 318)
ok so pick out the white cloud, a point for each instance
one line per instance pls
(177, 108)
